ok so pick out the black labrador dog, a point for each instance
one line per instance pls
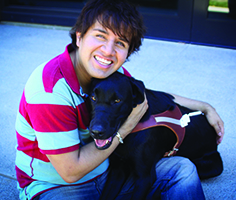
(112, 101)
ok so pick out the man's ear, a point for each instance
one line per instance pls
(138, 90)
(78, 38)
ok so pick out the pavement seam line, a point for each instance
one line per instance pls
(6, 176)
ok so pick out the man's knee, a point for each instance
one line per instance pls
(177, 177)
(178, 168)
(185, 169)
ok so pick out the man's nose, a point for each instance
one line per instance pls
(108, 48)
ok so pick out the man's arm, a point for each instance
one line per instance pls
(210, 113)
(75, 165)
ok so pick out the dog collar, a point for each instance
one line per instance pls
(173, 120)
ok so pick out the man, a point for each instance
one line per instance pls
(55, 157)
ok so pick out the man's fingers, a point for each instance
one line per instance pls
(220, 133)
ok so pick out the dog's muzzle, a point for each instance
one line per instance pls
(102, 144)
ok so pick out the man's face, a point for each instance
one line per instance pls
(100, 52)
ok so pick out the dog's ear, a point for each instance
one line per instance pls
(138, 90)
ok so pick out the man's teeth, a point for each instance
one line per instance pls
(103, 61)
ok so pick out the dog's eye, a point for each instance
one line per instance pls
(93, 98)
(117, 101)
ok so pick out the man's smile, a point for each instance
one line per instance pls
(103, 61)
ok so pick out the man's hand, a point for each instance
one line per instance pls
(215, 120)
(210, 113)
(133, 119)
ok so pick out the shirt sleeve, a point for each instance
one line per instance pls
(55, 128)
(55, 121)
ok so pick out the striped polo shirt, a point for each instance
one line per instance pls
(52, 119)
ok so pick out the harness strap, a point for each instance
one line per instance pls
(169, 119)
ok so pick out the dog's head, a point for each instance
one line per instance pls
(112, 101)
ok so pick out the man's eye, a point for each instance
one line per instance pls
(100, 36)
(121, 44)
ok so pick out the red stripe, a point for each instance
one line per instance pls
(23, 178)
(126, 72)
(51, 74)
(22, 109)
(83, 114)
(30, 148)
(52, 118)
(60, 151)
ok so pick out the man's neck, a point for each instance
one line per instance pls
(84, 80)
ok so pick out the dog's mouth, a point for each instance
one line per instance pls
(104, 144)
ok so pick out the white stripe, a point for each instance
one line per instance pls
(182, 122)
(42, 170)
(62, 93)
(167, 119)
(46, 172)
(121, 70)
(23, 128)
(195, 113)
(34, 83)
(57, 140)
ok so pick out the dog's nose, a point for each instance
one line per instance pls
(97, 132)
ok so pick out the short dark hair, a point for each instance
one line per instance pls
(117, 15)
